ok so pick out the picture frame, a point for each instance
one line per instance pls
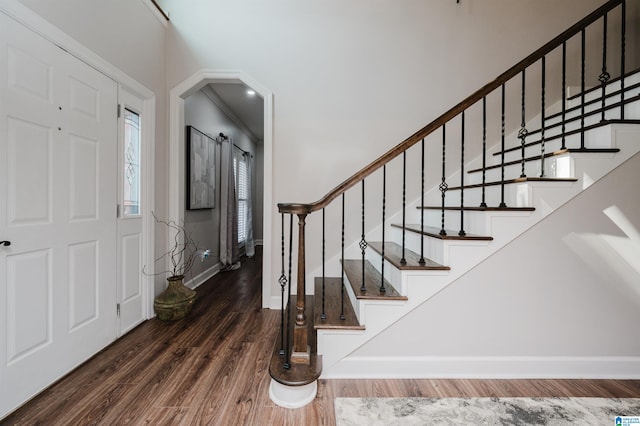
(201, 170)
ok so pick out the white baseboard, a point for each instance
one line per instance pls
(258, 242)
(485, 368)
(203, 276)
(275, 303)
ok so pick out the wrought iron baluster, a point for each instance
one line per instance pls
(582, 85)
(542, 115)
(283, 283)
(623, 42)
(287, 360)
(502, 130)
(384, 201)
(564, 93)
(523, 132)
(363, 242)
(422, 261)
(403, 261)
(483, 203)
(323, 315)
(443, 185)
(604, 77)
(462, 233)
(342, 316)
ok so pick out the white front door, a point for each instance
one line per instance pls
(130, 242)
(58, 197)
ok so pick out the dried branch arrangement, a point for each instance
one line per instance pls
(181, 254)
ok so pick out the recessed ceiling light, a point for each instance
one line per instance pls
(251, 92)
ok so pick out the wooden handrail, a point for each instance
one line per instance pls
(301, 208)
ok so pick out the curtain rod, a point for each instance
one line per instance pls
(226, 138)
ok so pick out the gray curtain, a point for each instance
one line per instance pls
(229, 251)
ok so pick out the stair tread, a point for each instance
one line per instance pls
(332, 307)
(393, 253)
(512, 181)
(599, 87)
(550, 154)
(570, 132)
(372, 279)
(480, 209)
(432, 231)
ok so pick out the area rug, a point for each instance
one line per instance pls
(486, 411)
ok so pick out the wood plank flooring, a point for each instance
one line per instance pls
(212, 369)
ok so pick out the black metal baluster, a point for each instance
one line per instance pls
(483, 203)
(502, 203)
(287, 360)
(323, 315)
(363, 243)
(461, 232)
(422, 261)
(582, 85)
(403, 261)
(283, 283)
(384, 202)
(564, 93)
(443, 185)
(623, 41)
(342, 316)
(542, 115)
(604, 76)
(522, 133)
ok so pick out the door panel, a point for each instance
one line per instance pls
(58, 181)
(29, 281)
(29, 179)
(84, 172)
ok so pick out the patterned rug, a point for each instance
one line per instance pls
(487, 411)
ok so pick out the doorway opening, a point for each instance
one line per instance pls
(203, 81)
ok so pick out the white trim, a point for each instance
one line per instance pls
(177, 96)
(292, 396)
(425, 367)
(148, 201)
(53, 34)
(203, 276)
(154, 10)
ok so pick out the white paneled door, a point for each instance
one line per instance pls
(58, 197)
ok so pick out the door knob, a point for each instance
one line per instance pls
(5, 243)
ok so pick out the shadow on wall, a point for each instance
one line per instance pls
(611, 255)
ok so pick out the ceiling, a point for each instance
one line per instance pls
(245, 110)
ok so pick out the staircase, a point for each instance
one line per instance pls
(484, 178)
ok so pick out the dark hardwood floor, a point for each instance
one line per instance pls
(212, 368)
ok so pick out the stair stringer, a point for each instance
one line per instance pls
(419, 286)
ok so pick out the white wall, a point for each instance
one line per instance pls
(568, 287)
(130, 37)
(204, 225)
(352, 79)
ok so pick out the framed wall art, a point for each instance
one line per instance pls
(201, 170)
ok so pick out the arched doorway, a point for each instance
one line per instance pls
(177, 150)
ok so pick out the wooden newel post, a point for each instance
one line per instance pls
(301, 352)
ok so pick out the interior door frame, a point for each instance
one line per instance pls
(39, 25)
(177, 159)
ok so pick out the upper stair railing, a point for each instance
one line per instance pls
(608, 24)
